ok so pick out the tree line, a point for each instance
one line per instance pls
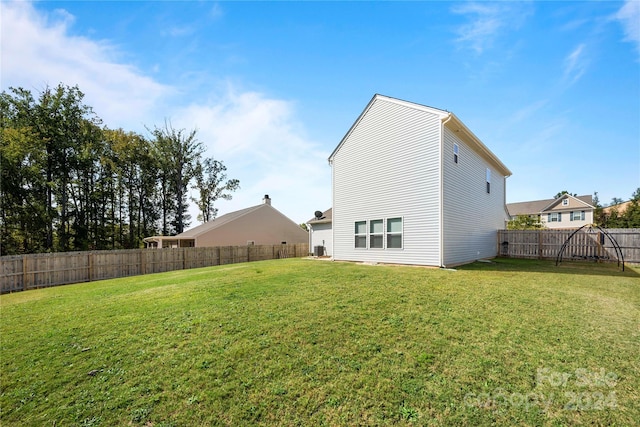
(616, 215)
(68, 183)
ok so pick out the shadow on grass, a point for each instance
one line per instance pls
(548, 266)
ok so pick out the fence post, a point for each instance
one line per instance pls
(24, 272)
(600, 251)
(184, 258)
(540, 243)
(143, 269)
(90, 266)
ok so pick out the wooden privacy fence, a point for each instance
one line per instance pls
(24, 272)
(586, 244)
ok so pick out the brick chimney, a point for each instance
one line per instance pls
(266, 200)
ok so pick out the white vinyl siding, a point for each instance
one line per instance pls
(472, 215)
(573, 214)
(488, 178)
(388, 166)
(566, 220)
(322, 235)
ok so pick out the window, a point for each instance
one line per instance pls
(456, 151)
(361, 234)
(394, 233)
(554, 217)
(565, 202)
(488, 180)
(576, 215)
(376, 235)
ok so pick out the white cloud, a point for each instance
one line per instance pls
(575, 64)
(526, 112)
(629, 17)
(260, 141)
(216, 11)
(487, 21)
(257, 137)
(37, 50)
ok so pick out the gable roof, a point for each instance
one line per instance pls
(447, 118)
(220, 221)
(327, 217)
(567, 196)
(539, 206)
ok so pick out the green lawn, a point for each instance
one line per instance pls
(303, 342)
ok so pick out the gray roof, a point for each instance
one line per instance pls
(537, 206)
(327, 216)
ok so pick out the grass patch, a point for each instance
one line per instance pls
(301, 342)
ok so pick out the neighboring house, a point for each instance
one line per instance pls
(320, 233)
(257, 225)
(620, 208)
(413, 185)
(566, 211)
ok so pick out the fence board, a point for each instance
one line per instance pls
(589, 244)
(24, 272)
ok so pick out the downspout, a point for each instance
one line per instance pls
(449, 116)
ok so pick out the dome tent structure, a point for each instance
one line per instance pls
(590, 229)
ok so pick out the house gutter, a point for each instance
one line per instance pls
(442, 123)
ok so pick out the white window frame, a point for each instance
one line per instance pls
(456, 153)
(389, 234)
(373, 235)
(565, 202)
(577, 215)
(554, 217)
(358, 236)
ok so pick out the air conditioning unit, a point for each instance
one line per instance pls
(318, 250)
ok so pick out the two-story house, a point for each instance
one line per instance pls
(413, 185)
(566, 211)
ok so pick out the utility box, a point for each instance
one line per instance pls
(318, 250)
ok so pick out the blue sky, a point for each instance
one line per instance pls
(552, 88)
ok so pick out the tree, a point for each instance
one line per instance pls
(616, 201)
(599, 217)
(562, 193)
(133, 173)
(22, 185)
(38, 178)
(177, 154)
(212, 185)
(632, 213)
(524, 222)
(67, 183)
